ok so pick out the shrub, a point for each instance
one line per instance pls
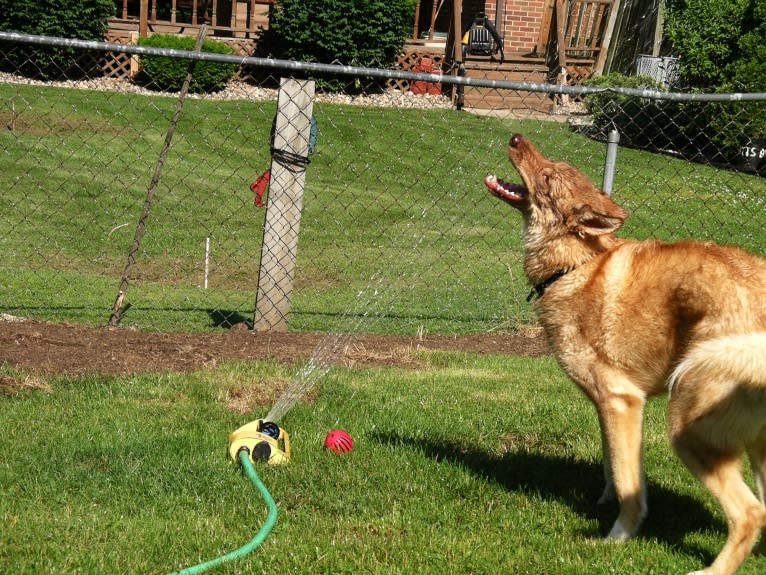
(738, 123)
(369, 33)
(722, 48)
(722, 45)
(166, 73)
(705, 34)
(85, 19)
(642, 122)
(683, 128)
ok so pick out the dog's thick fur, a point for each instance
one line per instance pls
(628, 320)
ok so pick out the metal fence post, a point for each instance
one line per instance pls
(612, 144)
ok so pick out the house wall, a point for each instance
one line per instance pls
(521, 21)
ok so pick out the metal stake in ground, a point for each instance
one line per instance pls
(141, 226)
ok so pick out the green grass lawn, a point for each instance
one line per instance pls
(396, 222)
(472, 464)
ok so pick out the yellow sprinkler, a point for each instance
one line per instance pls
(263, 440)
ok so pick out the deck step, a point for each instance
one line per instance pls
(493, 98)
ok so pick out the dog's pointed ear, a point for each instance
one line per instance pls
(596, 221)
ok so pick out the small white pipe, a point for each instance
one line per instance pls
(207, 260)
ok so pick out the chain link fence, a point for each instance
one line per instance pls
(273, 204)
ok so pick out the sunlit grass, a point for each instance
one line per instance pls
(476, 464)
(393, 205)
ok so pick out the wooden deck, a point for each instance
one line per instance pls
(515, 67)
(223, 18)
(575, 23)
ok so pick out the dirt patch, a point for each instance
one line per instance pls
(63, 348)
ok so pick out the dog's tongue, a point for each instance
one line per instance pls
(511, 193)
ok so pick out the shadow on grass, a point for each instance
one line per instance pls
(228, 319)
(577, 483)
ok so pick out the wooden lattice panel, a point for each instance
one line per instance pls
(409, 61)
(119, 65)
(242, 47)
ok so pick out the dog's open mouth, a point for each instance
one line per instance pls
(511, 193)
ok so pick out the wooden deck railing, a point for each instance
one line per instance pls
(242, 18)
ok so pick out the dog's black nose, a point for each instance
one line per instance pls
(516, 140)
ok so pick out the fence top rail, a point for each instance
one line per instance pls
(344, 70)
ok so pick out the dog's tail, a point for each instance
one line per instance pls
(733, 359)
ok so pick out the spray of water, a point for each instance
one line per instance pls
(328, 352)
(332, 348)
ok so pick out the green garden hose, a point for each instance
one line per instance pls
(271, 519)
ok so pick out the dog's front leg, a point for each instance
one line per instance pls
(608, 495)
(621, 418)
(757, 454)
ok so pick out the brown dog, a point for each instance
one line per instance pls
(628, 320)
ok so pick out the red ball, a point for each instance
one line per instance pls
(338, 441)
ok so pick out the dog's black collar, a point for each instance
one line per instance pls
(538, 291)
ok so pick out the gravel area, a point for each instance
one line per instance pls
(244, 91)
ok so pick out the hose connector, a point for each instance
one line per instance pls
(263, 440)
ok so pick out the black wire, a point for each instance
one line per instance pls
(290, 160)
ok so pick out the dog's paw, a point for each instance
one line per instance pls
(619, 533)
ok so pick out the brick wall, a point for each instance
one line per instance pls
(521, 23)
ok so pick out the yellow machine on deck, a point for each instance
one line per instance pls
(264, 441)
